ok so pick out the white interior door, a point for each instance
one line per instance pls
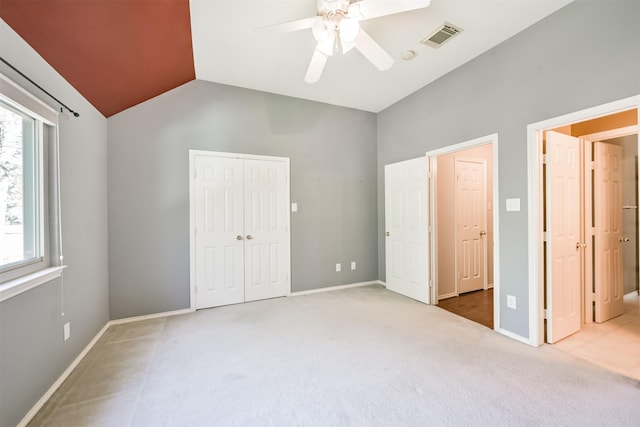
(406, 225)
(471, 224)
(241, 236)
(219, 248)
(266, 229)
(608, 231)
(563, 231)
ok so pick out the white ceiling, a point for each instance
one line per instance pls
(225, 52)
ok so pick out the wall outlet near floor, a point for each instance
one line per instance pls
(511, 301)
(66, 331)
(353, 265)
(338, 267)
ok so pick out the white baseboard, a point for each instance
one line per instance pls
(516, 337)
(40, 403)
(336, 288)
(449, 295)
(150, 316)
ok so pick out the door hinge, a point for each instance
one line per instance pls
(546, 313)
(545, 236)
(544, 159)
(430, 284)
(429, 174)
(593, 165)
(593, 297)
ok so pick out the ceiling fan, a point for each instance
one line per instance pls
(337, 28)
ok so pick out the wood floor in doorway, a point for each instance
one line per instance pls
(476, 306)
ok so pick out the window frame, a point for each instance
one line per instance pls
(21, 276)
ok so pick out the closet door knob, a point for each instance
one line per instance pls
(238, 237)
(249, 237)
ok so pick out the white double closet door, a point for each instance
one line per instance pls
(241, 237)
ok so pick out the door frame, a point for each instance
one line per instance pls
(433, 226)
(536, 205)
(192, 214)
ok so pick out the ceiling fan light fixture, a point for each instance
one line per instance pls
(327, 45)
(323, 30)
(349, 29)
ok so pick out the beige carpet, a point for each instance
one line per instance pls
(362, 356)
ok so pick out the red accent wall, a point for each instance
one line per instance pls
(116, 53)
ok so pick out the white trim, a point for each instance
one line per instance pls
(22, 284)
(336, 288)
(431, 155)
(40, 403)
(193, 153)
(535, 214)
(150, 316)
(513, 336)
(8, 94)
(192, 218)
(449, 295)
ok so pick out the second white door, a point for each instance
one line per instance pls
(241, 234)
(471, 224)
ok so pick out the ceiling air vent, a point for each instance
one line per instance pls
(441, 35)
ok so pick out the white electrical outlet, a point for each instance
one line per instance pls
(511, 301)
(353, 265)
(338, 267)
(66, 331)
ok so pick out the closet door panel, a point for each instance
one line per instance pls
(266, 225)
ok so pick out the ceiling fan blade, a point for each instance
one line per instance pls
(373, 51)
(369, 9)
(315, 67)
(285, 27)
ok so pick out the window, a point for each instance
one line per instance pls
(28, 190)
(20, 190)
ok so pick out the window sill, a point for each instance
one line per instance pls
(22, 284)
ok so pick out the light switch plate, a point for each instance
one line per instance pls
(294, 207)
(513, 205)
(353, 265)
(338, 267)
(511, 301)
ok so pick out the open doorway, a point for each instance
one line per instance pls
(463, 193)
(587, 216)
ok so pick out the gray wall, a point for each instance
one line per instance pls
(333, 180)
(567, 62)
(32, 352)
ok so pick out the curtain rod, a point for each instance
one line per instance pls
(41, 88)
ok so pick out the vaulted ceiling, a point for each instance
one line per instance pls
(118, 53)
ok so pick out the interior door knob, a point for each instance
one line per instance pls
(238, 237)
(249, 237)
(623, 239)
(483, 233)
(387, 234)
